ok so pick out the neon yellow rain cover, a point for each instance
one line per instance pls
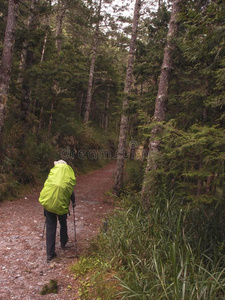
(57, 190)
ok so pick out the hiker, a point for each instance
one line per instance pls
(55, 197)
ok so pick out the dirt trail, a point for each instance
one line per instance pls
(23, 266)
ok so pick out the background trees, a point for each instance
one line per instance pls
(49, 85)
(50, 82)
(45, 116)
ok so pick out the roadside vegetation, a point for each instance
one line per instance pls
(173, 251)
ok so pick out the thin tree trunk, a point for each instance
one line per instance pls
(92, 68)
(51, 117)
(106, 114)
(208, 185)
(27, 62)
(59, 21)
(160, 104)
(47, 20)
(41, 62)
(81, 103)
(24, 50)
(159, 5)
(6, 63)
(127, 92)
(44, 47)
(40, 119)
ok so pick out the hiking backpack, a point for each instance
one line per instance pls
(58, 188)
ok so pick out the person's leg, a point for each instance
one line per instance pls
(51, 225)
(63, 230)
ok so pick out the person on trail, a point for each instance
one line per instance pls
(55, 197)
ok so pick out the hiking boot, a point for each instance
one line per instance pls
(63, 244)
(49, 258)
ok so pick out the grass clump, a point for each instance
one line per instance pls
(50, 288)
(157, 256)
(95, 278)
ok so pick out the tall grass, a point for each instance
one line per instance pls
(157, 256)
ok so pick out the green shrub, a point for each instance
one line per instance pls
(134, 173)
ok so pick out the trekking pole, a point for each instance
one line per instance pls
(75, 234)
(44, 228)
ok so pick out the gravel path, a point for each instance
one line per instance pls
(23, 266)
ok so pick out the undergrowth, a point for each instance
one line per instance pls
(95, 278)
(155, 255)
(29, 157)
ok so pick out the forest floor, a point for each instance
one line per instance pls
(23, 266)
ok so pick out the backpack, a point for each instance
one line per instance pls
(58, 188)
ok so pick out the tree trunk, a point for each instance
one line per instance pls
(159, 5)
(47, 20)
(6, 62)
(81, 103)
(51, 117)
(59, 20)
(40, 120)
(23, 55)
(27, 61)
(127, 92)
(160, 104)
(44, 47)
(92, 68)
(106, 114)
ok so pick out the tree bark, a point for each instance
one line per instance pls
(23, 56)
(59, 21)
(92, 68)
(159, 5)
(45, 42)
(51, 117)
(6, 63)
(27, 57)
(127, 92)
(81, 103)
(106, 113)
(47, 20)
(160, 104)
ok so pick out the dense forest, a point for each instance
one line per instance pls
(141, 83)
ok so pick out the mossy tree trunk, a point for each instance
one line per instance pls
(106, 113)
(160, 107)
(59, 24)
(6, 63)
(27, 57)
(92, 67)
(127, 92)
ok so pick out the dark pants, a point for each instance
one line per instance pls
(51, 225)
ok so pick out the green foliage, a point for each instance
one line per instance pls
(8, 186)
(50, 288)
(157, 255)
(134, 173)
(191, 163)
(29, 162)
(95, 278)
(197, 77)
